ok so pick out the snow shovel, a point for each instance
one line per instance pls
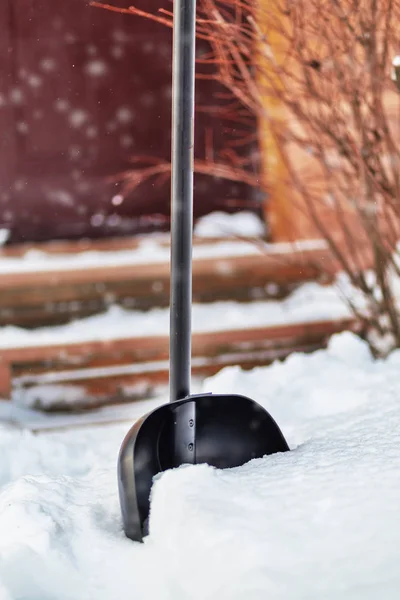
(223, 430)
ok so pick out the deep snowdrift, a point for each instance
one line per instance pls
(318, 522)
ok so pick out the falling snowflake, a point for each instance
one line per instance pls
(117, 52)
(34, 80)
(113, 220)
(16, 96)
(91, 132)
(91, 50)
(97, 220)
(48, 64)
(126, 140)
(77, 118)
(111, 126)
(96, 68)
(117, 200)
(61, 197)
(147, 99)
(148, 47)
(167, 92)
(19, 185)
(22, 127)
(120, 36)
(74, 152)
(70, 38)
(124, 114)
(61, 105)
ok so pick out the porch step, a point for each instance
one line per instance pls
(52, 284)
(59, 282)
(87, 375)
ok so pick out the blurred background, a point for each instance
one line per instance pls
(296, 190)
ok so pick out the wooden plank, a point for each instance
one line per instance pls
(275, 267)
(205, 343)
(104, 368)
(109, 244)
(123, 387)
(37, 298)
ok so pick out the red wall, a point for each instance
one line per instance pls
(81, 91)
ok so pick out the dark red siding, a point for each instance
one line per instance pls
(81, 91)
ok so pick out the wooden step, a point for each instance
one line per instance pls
(49, 297)
(122, 370)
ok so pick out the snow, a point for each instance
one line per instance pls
(220, 224)
(124, 114)
(61, 105)
(311, 302)
(395, 65)
(16, 96)
(61, 197)
(91, 50)
(4, 235)
(149, 250)
(147, 99)
(74, 152)
(34, 80)
(22, 127)
(48, 64)
(97, 219)
(92, 132)
(77, 118)
(117, 52)
(126, 140)
(320, 521)
(117, 200)
(96, 68)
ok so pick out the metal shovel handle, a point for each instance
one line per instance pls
(183, 87)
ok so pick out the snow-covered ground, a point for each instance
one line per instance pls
(320, 521)
(317, 522)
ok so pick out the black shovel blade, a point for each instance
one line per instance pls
(221, 430)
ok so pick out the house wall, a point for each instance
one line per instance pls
(82, 91)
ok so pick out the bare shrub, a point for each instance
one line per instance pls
(317, 75)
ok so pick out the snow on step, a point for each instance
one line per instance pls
(311, 302)
(149, 250)
(318, 522)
